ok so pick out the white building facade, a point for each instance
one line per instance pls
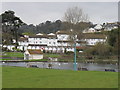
(93, 39)
(58, 42)
(49, 42)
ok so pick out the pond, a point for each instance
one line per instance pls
(64, 65)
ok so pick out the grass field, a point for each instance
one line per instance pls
(13, 54)
(21, 77)
(4, 59)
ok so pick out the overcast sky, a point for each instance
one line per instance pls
(38, 12)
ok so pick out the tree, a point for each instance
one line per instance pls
(113, 40)
(11, 24)
(75, 15)
(113, 36)
(102, 50)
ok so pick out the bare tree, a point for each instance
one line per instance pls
(75, 15)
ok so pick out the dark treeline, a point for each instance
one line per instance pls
(52, 27)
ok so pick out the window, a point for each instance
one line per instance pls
(53, 42)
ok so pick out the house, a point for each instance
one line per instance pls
(39, 34)
(93, 39)
(98, 27)
(23, 43)
(110, 26)
(30, 54)
(93, 29)
(90, 30)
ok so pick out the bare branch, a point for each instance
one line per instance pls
(75, 15)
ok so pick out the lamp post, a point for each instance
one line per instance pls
(75, 65)
(74, 39)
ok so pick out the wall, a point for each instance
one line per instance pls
(35, 56)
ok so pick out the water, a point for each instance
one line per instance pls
(64, 65)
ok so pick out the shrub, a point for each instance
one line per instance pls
(69, 52)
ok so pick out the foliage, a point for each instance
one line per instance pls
(107, 49)
(69, 52)
(65, 51)
(44, 51)
(10, 26)
(13, 27)
(17, 50)
(5, 49)
(113, 40)
(113, 36)
(102, 50)
(52, 27)
(50, 66)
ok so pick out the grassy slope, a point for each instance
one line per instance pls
(19, 77)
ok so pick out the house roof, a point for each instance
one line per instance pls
(43, 36)
(39, 34)
(70, 41)
(79, 47)
(23, 39)
(34, 51)
(51, 34)
(63, 32)
(37, 44)
(64, 41)
(98, 26)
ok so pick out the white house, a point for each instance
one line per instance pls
(62, 35)
(23, 41)
(110, 26)
(39, 34)
(95, 28)
(98, 27)
(93, 39)
(90, 30)
(30, 54)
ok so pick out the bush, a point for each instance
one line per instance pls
(44, 51)
(18, 50)
(101, 50)
(5, 49)
(69, 52)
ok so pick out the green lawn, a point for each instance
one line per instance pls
(5, 59)
(37, 60)
(13, 54)
(21, 77)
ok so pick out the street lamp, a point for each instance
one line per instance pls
(74, 39)
(75, 65)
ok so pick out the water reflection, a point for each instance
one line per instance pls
(65, 65)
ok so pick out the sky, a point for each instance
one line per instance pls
(38, 12)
